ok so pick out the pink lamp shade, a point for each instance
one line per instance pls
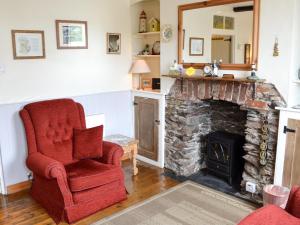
(139, 67)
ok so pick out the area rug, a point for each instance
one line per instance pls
(186, 204)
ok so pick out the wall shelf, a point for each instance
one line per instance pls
(147, 56)
(132, 2)
(144, 35)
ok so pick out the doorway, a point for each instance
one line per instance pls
(221, 48)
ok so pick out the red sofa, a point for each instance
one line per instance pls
(68, 189)
(274, 215)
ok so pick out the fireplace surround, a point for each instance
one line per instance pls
(244, 108)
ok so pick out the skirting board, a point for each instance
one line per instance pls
(149, 161)
(12, 189)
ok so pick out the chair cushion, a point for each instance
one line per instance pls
(88, 173)
(88, 143)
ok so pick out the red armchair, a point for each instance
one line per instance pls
(274, 215)
(67, 188)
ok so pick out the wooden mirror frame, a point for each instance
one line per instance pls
(204, 4)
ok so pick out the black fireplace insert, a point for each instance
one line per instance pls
(225, 156)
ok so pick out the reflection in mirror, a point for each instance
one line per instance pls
(222, 48)
(222, 32)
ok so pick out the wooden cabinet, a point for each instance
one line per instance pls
(291, 174)
(146, 126)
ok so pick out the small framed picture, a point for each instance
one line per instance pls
(196, 46)
(146, 83)
(28, 44)
(71, 34)
(218, 22)
(229, 23)
(113, 43)
(247, 54)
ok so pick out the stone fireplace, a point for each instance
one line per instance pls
(198, 107)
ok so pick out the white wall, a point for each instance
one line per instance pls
(276, 21)
(64, 72)
(294, 90)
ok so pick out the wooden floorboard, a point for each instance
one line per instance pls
(21, 209)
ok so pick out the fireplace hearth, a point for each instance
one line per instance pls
(197, 108)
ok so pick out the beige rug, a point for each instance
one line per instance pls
(186, 204)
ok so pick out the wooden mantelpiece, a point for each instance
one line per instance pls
(239, 80)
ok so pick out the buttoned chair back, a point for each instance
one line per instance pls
(49, 127)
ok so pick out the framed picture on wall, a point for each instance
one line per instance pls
(28, 44)
(196, 46)
(229, 23)
(71, 34)
(218, 22)
(113, 43)
(247, 55)
(146, 83)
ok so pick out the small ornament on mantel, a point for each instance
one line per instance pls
(253, 75)
(276, 48)
(143, 22)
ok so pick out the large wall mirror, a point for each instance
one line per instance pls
(224, 30)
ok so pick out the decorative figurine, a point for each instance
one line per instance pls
(156, 48)
(146, 50)
(276, 48)
(216, 67)
(175, 69)
(253, 73)
(143, 22)
(154, 25)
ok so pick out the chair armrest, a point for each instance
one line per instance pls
(112, 153)
(268, 215)
(49, 168)
(293, 206)
(44, 166)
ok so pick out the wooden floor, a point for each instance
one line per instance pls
(21, 209)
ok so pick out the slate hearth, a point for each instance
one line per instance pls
(196, 108)
(208, 180)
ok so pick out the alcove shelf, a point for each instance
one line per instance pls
(140, 40)
(144, 35)
(147, 56)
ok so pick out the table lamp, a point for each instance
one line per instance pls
(140, 67)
